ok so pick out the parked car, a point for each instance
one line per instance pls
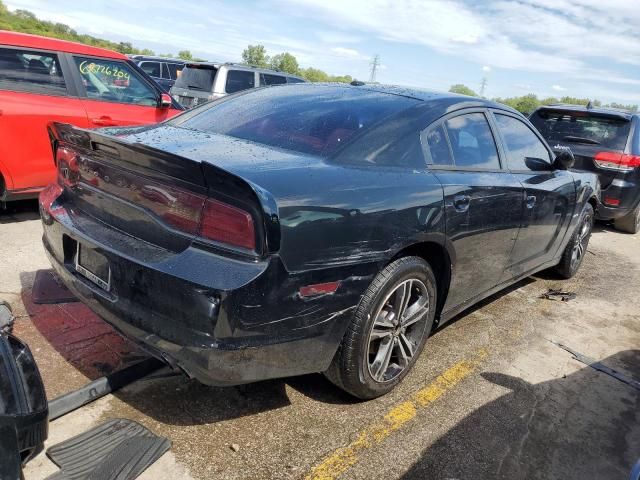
(164, 71)
(44, 79)
(605, 141)
(309, 228)
(204, 81)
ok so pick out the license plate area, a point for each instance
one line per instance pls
(93, 266)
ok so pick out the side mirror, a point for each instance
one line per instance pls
(564, 160)
(165, 101)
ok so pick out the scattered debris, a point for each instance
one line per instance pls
(599, 366)
(6, 317)
(235, 447)
(555, 294)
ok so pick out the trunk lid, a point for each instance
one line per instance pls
(152, 193)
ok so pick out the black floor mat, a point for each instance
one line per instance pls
(119, 449)
(47, 288)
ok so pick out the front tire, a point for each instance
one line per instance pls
(388, 330)
(629, 223)
(576, 249)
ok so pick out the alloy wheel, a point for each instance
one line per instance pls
(397, 330)
(580, 247)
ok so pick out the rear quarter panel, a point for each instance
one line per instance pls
(339, 215)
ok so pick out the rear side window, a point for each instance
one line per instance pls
(294, 80)
(30, 71)
(114, 81)
(299, 118)
(582, 127)
(523, 146)
(268, 79)
(472, 142)
(151, 68)
(238, 80)
(199, 78)
(174, 70)
(438, 147)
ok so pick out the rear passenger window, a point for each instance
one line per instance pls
(523, 146)
(174, 70)
(151, 68)
(294, 80)
(472, 142)
(266, 79)
(439, 147)
(238, 80)
(32, 72)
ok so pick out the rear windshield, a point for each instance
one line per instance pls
(582, 127)
(197, 78)
(303, 118)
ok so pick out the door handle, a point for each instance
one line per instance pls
(461, 202)
(531, 201)
(104, 121)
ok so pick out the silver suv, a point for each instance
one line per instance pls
(200, 82)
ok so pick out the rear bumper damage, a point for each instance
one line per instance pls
(220, 320)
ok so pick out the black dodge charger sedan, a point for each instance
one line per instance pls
(309, 228)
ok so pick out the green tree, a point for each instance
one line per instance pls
(462, 90)
(185, 55)
(285, 62)
(341, 78)
(3, 9)
(255, 55)
(314, 75)
(146, 51)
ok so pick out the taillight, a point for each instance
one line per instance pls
(227, 224)
(617, 161)
(67, 163)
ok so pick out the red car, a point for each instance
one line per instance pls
(45, 79)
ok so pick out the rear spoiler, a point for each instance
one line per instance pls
(160, 165)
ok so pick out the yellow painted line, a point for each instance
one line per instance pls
(344, 458)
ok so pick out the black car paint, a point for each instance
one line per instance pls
(624, 186)
(229, 317)
(24, 423)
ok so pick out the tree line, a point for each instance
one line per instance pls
(25, 21)
(256, 55)
(528, 103)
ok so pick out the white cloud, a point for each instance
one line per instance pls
(558, 88)
(576, 44)
(346, 52)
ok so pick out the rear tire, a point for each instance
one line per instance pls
(388, 331)
(629, 223)
(576, 249)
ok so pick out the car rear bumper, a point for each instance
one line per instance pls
(241, 323)
(620, 198)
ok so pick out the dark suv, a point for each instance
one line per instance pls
(164, 71)
(605, 141)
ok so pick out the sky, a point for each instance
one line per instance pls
(582, 48)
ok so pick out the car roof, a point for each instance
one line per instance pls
(566, 107)
(433, 97)
(241, 66)
(157, 58)
(46, 43)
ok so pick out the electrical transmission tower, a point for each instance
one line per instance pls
(483, 86)
(375, 63)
